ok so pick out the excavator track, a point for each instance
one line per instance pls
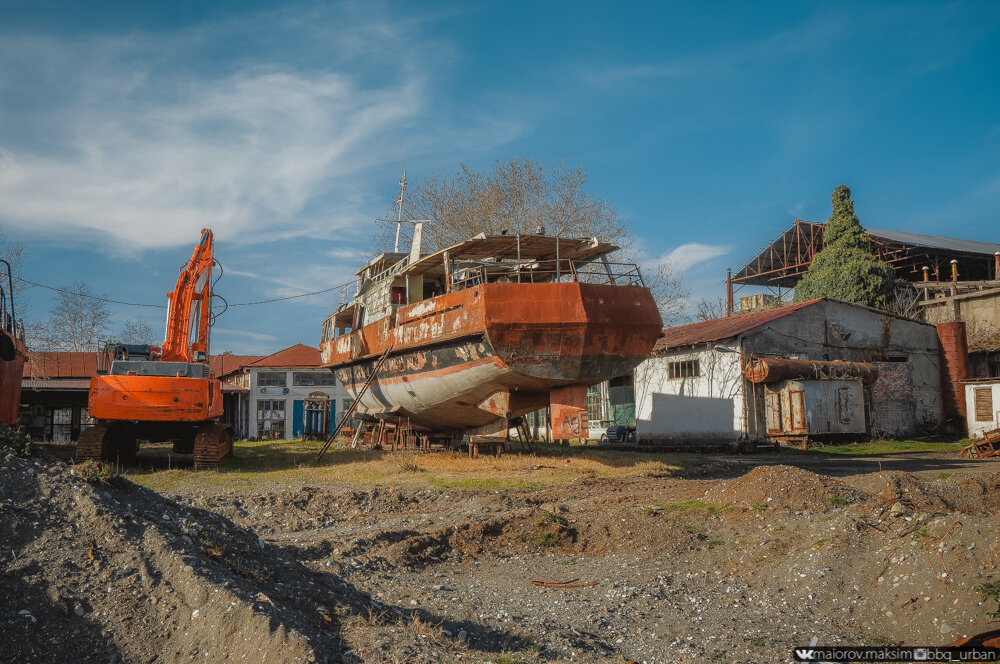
(212, 444)
(105, 441)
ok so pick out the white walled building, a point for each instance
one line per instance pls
(279, 388)
(693, 390)
(982, 406)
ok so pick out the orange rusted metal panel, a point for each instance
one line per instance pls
(569, 412)
(155, 398)
(774, 370)
(12, 358)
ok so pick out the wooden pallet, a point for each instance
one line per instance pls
(987, 446)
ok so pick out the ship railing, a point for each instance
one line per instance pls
(467, 274)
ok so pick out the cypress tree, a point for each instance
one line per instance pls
(846, 269)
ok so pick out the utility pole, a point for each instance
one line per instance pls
(399, 209)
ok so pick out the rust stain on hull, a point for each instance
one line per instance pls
(452, 352)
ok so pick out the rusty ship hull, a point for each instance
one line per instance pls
(13, 355)
(466, 359)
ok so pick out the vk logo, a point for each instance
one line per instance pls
(804, 654)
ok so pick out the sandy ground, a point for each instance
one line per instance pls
(729, 561)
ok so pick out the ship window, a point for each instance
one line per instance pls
(271, 379)
(684, 369)
(309, 378)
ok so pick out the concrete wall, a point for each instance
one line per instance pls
(978, 428)
(708, 407)
(837, 331)
(975, 306)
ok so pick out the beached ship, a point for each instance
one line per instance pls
(13, 352)
(490, 329)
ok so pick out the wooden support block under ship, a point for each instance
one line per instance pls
(468, 338)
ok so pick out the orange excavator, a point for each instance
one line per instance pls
(160, 393)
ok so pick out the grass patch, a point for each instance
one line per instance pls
(944, 476)
(838, 500)
(990, 591)
(759, 508)
(694, 504)
(920, 535)
(712, 543)
(259, 465)
(820, 542)
(97, 472)
(879, 640)
(552, 530)
(887, 446)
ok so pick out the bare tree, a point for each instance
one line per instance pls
(904, 302)
(521, 195)
(518, 195)
(13, 253)
(711, 309)
(78, 322)
(669, 292)
(136, 331)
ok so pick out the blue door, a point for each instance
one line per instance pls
(297, 419)
(331, 422)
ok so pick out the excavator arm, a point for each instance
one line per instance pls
(189, 311)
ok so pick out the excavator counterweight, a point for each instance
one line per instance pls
(166, 392)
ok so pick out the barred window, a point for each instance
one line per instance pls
(684, 369)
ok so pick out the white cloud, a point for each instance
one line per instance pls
(688, 255)
(256, 336)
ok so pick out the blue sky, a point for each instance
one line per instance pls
(126, 127)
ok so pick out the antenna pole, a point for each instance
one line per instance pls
(399, 209)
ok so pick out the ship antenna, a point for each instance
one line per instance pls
(399, 208)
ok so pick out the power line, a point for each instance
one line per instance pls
(163, 306)
(92, 297)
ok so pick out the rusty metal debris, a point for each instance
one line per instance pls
(988, 446)
(572, 583)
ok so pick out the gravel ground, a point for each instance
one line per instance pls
(727, 566)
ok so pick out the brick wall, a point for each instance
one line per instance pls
(954, 367)
(892, 403)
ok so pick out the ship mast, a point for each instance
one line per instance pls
(399, 209)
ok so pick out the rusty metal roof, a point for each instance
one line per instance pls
(61, 364)
(723, 328)
(299, 356)
(525, 247)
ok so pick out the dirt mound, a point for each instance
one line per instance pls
(118, 572)
(949, 494)
(784, 487)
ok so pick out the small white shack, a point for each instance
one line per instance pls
(693, 390)
(982, 406)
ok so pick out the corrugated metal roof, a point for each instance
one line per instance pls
(937, 242)
(723, 328)
(50, 384)
(60, 364)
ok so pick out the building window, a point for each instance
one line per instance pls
(271, 419)
(271, 379)
(684, 369)
(594, 403)
(984, 404)
(312, 378)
